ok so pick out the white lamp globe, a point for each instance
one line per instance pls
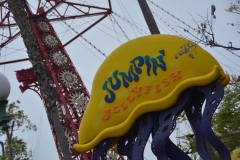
(4, 86)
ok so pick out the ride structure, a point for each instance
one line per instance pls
(50, 67)
(53, 75)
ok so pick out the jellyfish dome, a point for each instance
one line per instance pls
(151, 76)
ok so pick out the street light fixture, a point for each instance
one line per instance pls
(4, 93)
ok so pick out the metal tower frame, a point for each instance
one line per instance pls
(53, 75)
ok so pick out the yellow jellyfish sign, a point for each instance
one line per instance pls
(235, 155)
(143, 75)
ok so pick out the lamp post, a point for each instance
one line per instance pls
(4, 93)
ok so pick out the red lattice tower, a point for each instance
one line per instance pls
(53, 75)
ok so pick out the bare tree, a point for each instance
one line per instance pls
(205, 33)
(234, 7)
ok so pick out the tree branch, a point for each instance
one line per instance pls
(11, 132)
(3, 149)
(9, 138)
(204, 34)
(236, 12)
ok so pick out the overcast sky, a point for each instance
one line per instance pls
(87, 60)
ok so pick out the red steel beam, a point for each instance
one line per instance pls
(53, 7)
(85, 30)
(9, 40)
(83, 5)
(14, 61)
(7, 25)
(79, 16)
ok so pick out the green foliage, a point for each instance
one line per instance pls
(14, 148)
(21, 120)
(19, 148)
(226, 123)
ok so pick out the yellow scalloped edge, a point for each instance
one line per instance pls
(225, 81)
(169, 100)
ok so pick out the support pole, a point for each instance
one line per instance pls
(151, 23)
(17, 9)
